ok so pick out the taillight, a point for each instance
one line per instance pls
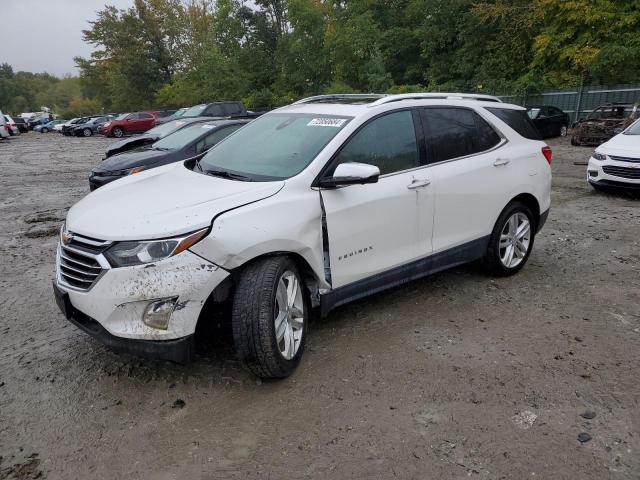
(548, 154)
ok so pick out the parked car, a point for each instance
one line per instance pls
(49, 127)
(549, 120)
(90, 127)
(189, 142)
(313, 205)
(4, 128)
(156, 133)
(128, 123)
(12, 127)
(174, 116)
(616, 163)
(67, 128)
(220, 110)
(601, 124)
(21, 123)
(38, 120)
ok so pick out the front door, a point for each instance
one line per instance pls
(376, 227)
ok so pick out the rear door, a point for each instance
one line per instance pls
(374, 228)
(471, 175)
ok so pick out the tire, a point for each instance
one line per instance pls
(496, 260)
(45, 130)
(564, 130)
(87, 132)
(117, 132)
(574, 141)
(256, 310)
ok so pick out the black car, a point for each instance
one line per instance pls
(550, 121)
(67, 129)
(21, 123)
(150, 136)
(187, 143)
(89, 127)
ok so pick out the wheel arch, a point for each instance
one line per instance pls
(532, 204)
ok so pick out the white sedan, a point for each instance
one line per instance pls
(616, 163)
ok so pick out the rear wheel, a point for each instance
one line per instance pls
(269, 317)
(44, 130)
(117, 132)
(511, 241)
(564, 130)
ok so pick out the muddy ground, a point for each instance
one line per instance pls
(455, 376)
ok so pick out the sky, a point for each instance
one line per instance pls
(45, 35)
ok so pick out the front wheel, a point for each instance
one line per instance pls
(269, 317)
(564, 130)
(44, 130)
(511, 241)
(117, 132)
(87, 132)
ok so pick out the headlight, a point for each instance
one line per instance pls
(599, 156)
(128, 254)
(107, 124)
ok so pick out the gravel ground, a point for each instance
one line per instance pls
(457, 375)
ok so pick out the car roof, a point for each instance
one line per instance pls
(357, 105)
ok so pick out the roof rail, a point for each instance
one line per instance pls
(435, 96)
(340, 96)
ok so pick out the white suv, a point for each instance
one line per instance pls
(312, 205)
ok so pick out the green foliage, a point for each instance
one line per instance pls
(172, 53)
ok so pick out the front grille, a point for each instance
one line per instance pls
(623, 172)
(78, 264)
(625, 159)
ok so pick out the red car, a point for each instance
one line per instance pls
(129, 123)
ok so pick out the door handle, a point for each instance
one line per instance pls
(501, 162)
(417, 183)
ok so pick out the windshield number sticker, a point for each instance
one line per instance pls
(327, 122)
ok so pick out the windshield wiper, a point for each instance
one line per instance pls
(227, 174)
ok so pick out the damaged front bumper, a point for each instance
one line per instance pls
(113, 310)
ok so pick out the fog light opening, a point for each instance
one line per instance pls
(593, 173)
(158, 313)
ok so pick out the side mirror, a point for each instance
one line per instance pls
(351, 174)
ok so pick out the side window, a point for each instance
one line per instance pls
(388, 142)
(215, 111)
(518, 120)
(215, 137)
(232, 109)
(487, 136)
(452, 133)
(144, 116)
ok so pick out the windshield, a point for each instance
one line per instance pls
(179, 113)
(165, 129)
(634, 129)
(183, 137)
(275, 146)
(533, 113)
(122, 117)
(194, 111)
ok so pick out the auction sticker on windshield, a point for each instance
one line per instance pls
(327, 122)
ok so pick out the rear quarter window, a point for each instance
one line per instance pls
(518, 120)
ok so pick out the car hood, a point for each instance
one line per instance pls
(130, 159)
(622, 144)
(129, 143)
(163, 202)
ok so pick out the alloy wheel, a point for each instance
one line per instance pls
(563, 131)
(515, 240)
(289, 315)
